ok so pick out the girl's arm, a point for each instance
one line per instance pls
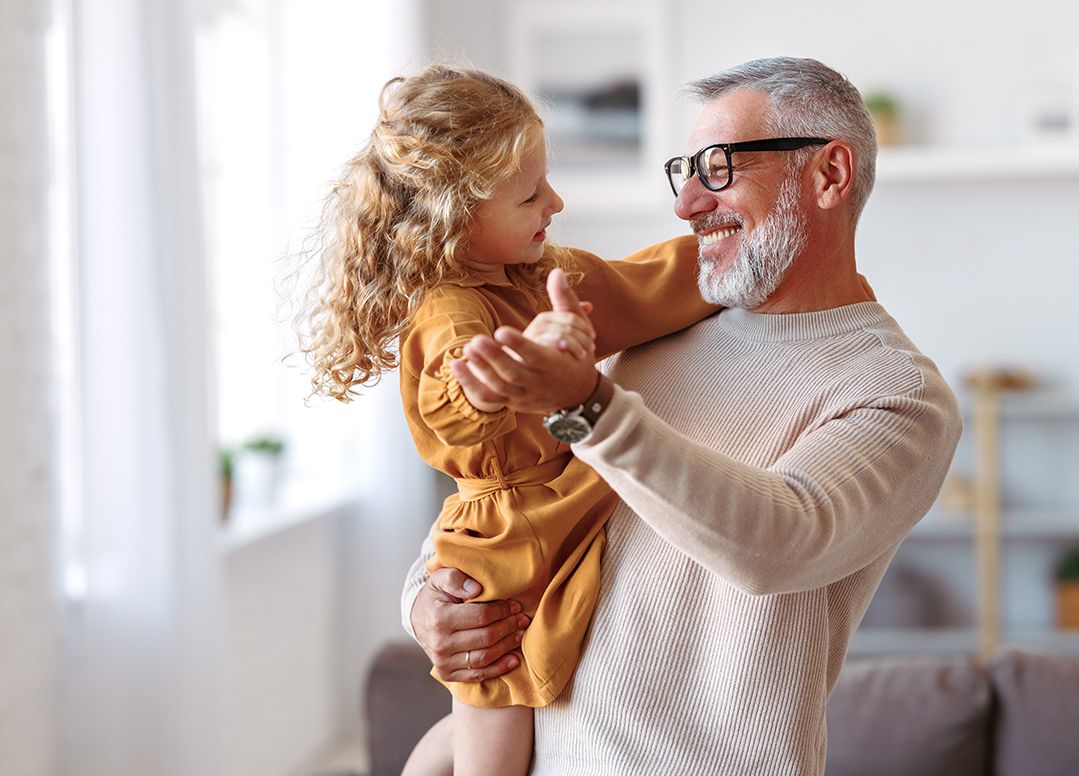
(648, 294)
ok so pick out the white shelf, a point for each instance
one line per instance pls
(880, 641)
(1031, 405)
(1036, 405)
(926, 163)
(1014, 524)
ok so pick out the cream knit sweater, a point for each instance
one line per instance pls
(769, 466)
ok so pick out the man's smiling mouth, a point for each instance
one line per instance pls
(714, 237)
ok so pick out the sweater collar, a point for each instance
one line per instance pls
(782, 327)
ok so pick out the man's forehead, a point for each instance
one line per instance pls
(738, 115)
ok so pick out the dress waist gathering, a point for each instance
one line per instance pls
(474, 488)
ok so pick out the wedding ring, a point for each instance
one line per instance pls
(468, 660)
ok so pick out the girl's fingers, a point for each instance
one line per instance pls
(570, 320)
(577, 345)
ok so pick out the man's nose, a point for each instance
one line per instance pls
(694, 200)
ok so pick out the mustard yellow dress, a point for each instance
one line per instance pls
(527, 520)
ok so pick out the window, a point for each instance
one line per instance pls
(286, 92)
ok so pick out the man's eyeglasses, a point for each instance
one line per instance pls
(713, 163)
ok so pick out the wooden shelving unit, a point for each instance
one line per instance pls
(988, 530)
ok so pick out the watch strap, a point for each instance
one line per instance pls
(598, 400)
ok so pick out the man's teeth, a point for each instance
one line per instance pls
(714, 237)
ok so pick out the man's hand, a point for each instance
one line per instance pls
(531, 377)
(482, 398)
(456, 634)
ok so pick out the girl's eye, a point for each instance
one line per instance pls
(532, 198)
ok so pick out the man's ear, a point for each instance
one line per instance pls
(833, 174)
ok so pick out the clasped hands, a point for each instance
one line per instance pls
(550, 365)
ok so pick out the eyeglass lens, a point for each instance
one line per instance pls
(712, 163)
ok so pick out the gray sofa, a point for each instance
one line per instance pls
(1014, 715)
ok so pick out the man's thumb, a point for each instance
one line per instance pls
(562, 297)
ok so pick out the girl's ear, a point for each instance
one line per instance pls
(833, 174)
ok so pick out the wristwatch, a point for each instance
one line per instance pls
(574, 424)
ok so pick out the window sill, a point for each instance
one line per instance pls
(250, 525)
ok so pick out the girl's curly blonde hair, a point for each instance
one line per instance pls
(395, 224)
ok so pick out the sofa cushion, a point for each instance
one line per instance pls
(1038, 720)
(897, 716)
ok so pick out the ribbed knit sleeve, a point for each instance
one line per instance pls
(415, 579)
(843, 493)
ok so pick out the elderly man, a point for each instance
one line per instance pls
(769, 459)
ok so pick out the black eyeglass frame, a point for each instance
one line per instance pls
(771, 144)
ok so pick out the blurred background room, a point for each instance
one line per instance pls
(197, 566)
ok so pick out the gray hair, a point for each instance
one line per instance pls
(809, 99)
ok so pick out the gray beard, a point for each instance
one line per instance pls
(764, 256)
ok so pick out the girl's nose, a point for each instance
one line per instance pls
(556, 203)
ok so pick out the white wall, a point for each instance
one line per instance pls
(284, 639)
(29, 621)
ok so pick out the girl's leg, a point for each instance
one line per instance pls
(491, 742)
(433, 755)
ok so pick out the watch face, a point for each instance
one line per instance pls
(568, 428)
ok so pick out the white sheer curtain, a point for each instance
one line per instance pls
(29, 669)
(142, 645)
(122, 672)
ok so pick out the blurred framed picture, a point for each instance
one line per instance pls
(596, 69)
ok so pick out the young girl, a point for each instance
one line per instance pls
(436, 232)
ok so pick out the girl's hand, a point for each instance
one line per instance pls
(565, 331)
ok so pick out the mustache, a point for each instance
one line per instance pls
(717, 221)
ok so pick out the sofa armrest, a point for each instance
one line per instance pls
(402, 702)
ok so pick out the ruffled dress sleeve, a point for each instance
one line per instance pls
(441, 328)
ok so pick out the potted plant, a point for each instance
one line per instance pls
(257, 471)
(1067, 578)
(884, 109)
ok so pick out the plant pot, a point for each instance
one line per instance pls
(226, 496)
(1068, 605)
(887, 128)
(256, 477)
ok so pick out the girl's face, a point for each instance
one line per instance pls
(510, 227)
